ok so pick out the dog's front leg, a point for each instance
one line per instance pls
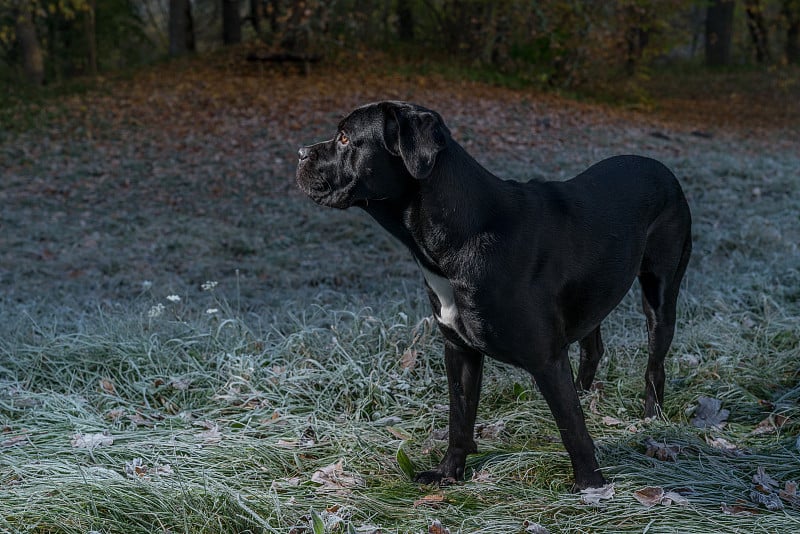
(464, 371)
(554, 379)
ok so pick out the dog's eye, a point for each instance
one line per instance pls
(343, 139)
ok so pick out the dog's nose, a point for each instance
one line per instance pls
(302, 153)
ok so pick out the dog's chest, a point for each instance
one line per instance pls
(448, 311)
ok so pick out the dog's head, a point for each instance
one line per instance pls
(378, 153)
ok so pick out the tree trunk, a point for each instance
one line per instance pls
(791, 11)
(719, 32)
(758, 29)
(405, 21)
(231, 22)
(32, 59)
(256, 9)
(181, 27)
(91, 37)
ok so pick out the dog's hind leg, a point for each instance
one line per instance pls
(660, 277)
(591, 353)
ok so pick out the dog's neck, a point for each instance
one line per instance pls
(433, 220)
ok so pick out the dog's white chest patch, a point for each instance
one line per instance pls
(448, 312)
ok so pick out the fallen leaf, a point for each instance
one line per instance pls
(489, 430)
(108, 386)
(789, 493)
(398, 433)
(211, 434)
(709, 413)
(661, 451)
(770, 424)
(593, 496)
(534, 528)
(334, 476)
(434, 500)
(672, 497)
(771, 501)
(653, 495)
(437, 528)
(135, 468)
(764, 482)
(611, 421)
(649, 496)
(16, 440)
(409, 359)
(483, 476)
(90, 441)
(724, 445)
(739, 509)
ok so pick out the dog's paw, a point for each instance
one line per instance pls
(434, 476)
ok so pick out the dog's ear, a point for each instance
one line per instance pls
(417, 136)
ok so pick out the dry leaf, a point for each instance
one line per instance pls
(409, 359)
(770, 424)
(108, 386)
(398, 433)
(489, 431)
(534, 528)
(764, 482)
(649, 496)
(740, 508)
(709, 413)
(433, 500)
(334, 476)
(653, 495)
(482, 476)
(211, 434)
(16, 440)
(611, 421)
(115, 414)
(724, 445)
(661, 451)
(789, 493)
(437, 528)
(90, 441)
(135, 468)
(593, 496)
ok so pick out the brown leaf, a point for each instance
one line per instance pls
(661, 451)
(434, 500)
(437, 528)
(611, 421)
(409, 359)
(770, 424)
(740, 508)
(16, 440)
(649, 496)
(334, 476)
(108, 386)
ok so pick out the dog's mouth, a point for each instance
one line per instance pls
(322, 191)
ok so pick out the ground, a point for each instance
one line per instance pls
(189, 344)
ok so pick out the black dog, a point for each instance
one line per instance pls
(515, 271)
